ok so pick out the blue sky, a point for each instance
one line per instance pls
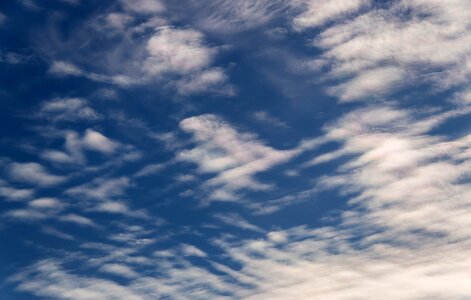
(264, 149)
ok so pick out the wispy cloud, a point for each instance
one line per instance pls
(234, 158)
(34, 173)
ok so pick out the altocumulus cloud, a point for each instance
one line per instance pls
(339, 168)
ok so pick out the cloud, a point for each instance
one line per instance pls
(190, 250)
(77, 219)
(59, 234)
(317, 12)
(36, 210)
(15, 58)
(264, 117)
(94, 140)
(150, 169)
(64, 69)
(118, 20)
(235, 158)
(370, 83)
(26, 215)
(74, 147)
(45, 203)
(61, 68)
(113, 207)
(234, 16)
(67, 109)
(14, 194)
(58, 283)
(177, 51)
(167, 55)
(209, 80)
(3, 18)
(101, 188)
(118, 269)
(411, 42)
(34, 173)
(237, 221)
(144, 6)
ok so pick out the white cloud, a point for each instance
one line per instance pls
(73, 151)
(113, 207)
(150, 169)
(53, 281)
(118, 20)
(64, 69)
(118, 269)
(76, 219)
(319, 12)
(68, 109)
(61, 68)
(233, 157)
(101, 188)
(177, 51)
(370, 83)
(190, 250)
(413, 42)
(237, 221)
(265, 117)
(34, 173)
(26, 214)
(94, 140)
(144, 6)
(209, 80)
(230, 16)
(14, 194)
(45, 203)
(54, 232)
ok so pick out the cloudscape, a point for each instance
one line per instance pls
(235, 149)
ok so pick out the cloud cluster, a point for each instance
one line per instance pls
(234, 158)
(392, 45)
(143, 49)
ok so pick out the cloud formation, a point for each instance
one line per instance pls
(235, 158)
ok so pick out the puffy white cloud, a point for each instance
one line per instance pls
(113, 207)
(56, 282)
(370, 83)
(319, 12)
(412, 42)
(34, 173)
(209, 80)
(94, 140)
(14, 194)
(177, 51)
(45, 203)
(36, 210)
(233, 157)
(176, 55)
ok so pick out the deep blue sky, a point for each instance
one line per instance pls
(286, 149)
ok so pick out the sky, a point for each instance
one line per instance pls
(235, 149)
